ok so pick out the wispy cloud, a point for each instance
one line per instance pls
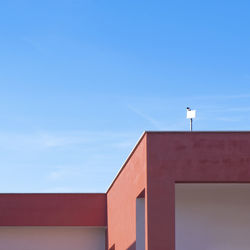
(239, 109)
(222, 97)
(60, 173)
(58, 189)
(56, 160)
(146, 117)
(218, 109)
(47, 140)
(228, 119)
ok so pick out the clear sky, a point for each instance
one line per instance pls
(81, 80)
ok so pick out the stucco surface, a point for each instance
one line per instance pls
(53, 210)
(212, 216)
(121, 200)
(52, 238)
(188, 157)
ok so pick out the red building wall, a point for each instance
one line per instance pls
(159, 160)
(121, 200)
(53, 210)
(188, 157)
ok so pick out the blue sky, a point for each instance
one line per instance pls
(81, 80)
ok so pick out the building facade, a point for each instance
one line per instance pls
(177, 190)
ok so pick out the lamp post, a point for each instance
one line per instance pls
(191, 114)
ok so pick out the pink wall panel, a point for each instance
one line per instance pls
(53, 210)
(121, 200)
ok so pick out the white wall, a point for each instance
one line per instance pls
(52, 238)
(212, 216)
(140, 224)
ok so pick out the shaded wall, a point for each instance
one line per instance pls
(212, 216)
(140, 223)
(52, 238)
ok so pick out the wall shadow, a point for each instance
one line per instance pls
(112, 248)
(132, 247)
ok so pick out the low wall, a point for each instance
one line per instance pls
(52, 238)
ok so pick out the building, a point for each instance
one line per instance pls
(177, 190)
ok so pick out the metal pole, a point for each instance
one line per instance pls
(191, 124)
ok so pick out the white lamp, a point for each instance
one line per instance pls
(191, 114)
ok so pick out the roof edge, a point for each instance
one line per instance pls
(197, 131)
(126, 161)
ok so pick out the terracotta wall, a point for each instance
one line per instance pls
(159, 160)
(53, 210)
(188, 157)
(121, 200)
